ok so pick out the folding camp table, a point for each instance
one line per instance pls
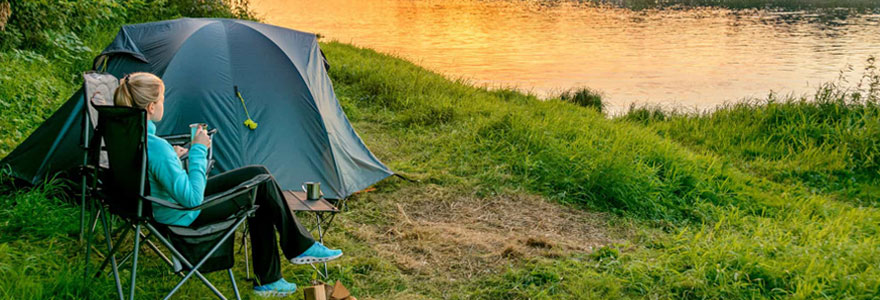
(296, 201)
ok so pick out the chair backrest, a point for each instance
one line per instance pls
(123, 130)
(98, 89)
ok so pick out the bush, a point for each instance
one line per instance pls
(47, 44)
(645, 113)
(585, 97)
(31, 22)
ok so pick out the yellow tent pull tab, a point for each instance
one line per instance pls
(247, 123)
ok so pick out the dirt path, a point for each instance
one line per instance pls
(437, 233)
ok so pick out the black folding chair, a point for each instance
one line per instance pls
(98, 89)
(124, 191)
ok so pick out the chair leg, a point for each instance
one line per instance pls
(183, 260)
(145, 239)
(110, 256)
(247, 262)
(234, 285)
(112, 249)
(93, 225)
(159, 252)
(204, 259)
(134, 261)
(89, 247)
(82, 210)
(90, 234)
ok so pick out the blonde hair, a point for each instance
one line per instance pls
(138, 90)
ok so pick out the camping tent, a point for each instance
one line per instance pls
(303, 134)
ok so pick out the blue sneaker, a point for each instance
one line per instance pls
(317, 253)
(280, 288)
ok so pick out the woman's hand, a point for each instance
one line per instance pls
(181, 151)
(202, 137)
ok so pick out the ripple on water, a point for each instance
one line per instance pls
(697, 57)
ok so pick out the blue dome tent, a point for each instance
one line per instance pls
(281, 74)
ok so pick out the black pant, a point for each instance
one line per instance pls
(273, 212)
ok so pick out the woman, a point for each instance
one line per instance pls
(169, 181)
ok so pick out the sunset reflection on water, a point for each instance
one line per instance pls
(694, 58)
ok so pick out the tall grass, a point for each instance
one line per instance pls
(827, 141)
(710, 228)
(585, 97)
(509, 140)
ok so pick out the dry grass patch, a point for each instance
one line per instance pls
(444, 234)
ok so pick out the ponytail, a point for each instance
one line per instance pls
(137, 90)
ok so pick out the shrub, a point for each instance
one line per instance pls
(645, 113)
(585, 97)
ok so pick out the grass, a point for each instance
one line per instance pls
(585, 97)
(706, 227)
(769, 199)
(827, 142)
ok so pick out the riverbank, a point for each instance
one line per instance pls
(693, 216)
(523, 198)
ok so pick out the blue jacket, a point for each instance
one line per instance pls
(169, 181)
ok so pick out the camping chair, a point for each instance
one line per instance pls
(125, 193)
(98, 89)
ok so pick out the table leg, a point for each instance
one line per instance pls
(321, 239)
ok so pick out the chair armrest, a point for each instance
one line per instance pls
(216, 198)
(183, 139)
(164, 203)
(238, 189)
(179, 207)
(176, 136)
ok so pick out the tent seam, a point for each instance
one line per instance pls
(177, 49)
(323, 122)
(312, 95)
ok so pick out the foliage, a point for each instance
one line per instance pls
(47, 44)
(32, 23)
(585, 97)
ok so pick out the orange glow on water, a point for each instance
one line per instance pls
(692, 58)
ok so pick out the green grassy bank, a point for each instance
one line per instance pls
(826, 142)
(708, 227)
(773, 199)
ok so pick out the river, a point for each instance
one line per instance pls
(694, 58)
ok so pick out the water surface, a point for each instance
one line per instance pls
(693, 58)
